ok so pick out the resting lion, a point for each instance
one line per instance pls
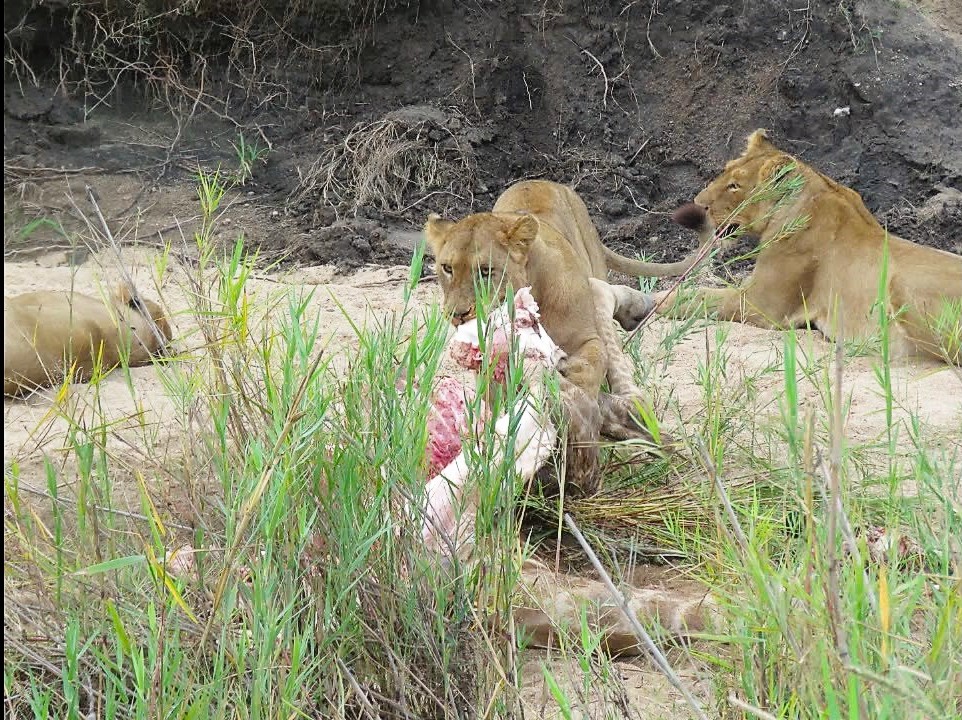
(819, 245)
(539, 234)
(47, 334)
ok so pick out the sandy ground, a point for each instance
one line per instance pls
(146, 428)
(754, 382)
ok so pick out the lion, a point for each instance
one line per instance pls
(50, 335)
(540, 234)
(820, 260)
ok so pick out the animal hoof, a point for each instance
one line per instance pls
(690, 216)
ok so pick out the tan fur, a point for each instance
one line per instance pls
(539, 233)
(613, 414)
(836, 257)
(549, 607)
(46, 333)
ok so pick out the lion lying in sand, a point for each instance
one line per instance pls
(820, 245)
(49, 335)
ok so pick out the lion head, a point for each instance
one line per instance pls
(147, 319)
(482, 248)
(749, 176)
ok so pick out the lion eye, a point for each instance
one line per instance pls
(446, 269)
(733, 186)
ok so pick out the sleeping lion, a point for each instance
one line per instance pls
(51, 335)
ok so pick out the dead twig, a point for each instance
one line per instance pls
(750, 709)
(845, 527)
(136, 300)
(112, 511)
(474, 85)
(702, 254)
(430, 194)
(651, 14)
(604, 98)
(638, 151)
(835, 500)
(807, 19)
(361, 695)
(734, 528)
(832, 590)
(661, 662)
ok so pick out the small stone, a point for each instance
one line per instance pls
(361, 245)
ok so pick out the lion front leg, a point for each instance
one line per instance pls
(620, 419)
(581, 374)
(732, 304)
(586, 367)
(610, 300)
(582, 422)
(620, 416)
(726, 303)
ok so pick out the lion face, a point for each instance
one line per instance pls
(154, 344)
(136, 310)
(725, 197)
(480, 249)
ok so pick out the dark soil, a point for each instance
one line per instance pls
(637, 105)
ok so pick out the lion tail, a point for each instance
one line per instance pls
(690, 216)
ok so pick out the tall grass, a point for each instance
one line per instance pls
(295, 584)
(831, 630)
(307, 596)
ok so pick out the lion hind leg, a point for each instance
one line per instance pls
(626, 305)
(932, 329)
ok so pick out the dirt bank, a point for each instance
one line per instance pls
(444, 104)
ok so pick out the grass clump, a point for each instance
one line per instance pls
(293, 587)
(391, 163)
(272, 568)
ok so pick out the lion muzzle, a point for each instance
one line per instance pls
(461, 317)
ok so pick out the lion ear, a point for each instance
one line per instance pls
(436, 231)
(518, 237)
(770, 167)
(758, 142)
(126, 296)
